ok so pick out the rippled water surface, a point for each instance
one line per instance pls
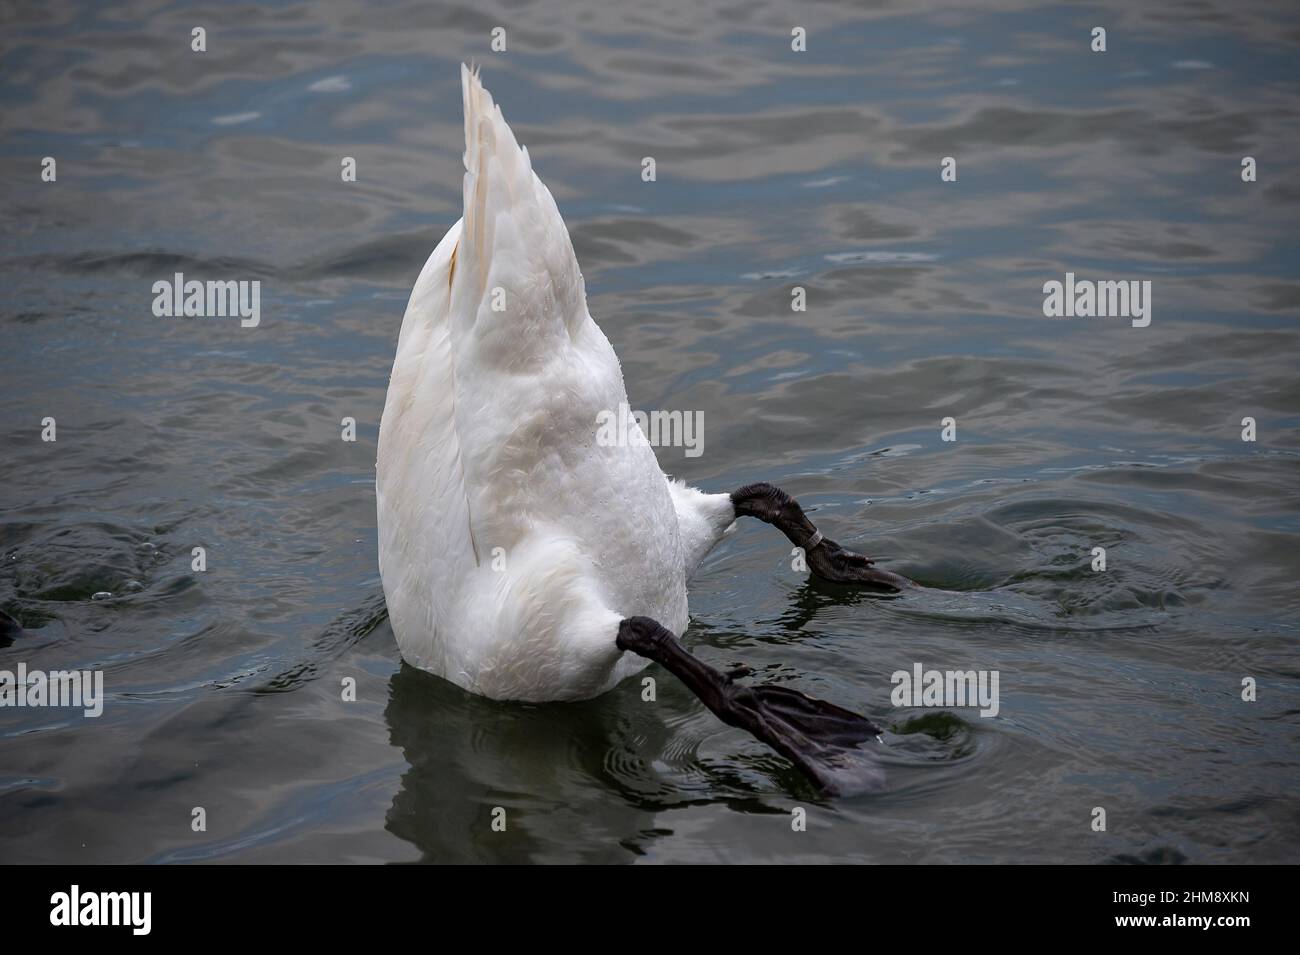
(1119, 689)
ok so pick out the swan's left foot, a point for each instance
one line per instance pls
(818, 737)
(827, 559)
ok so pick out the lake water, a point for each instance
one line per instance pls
(1120, 689)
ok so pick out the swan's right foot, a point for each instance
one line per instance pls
(827, 559)
(820, 738)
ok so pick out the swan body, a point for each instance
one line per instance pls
(523, 557)
(511, 542)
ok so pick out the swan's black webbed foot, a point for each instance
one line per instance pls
(827, 559)
(820, 738)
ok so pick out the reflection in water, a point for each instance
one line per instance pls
(468, 755)
(608, 765)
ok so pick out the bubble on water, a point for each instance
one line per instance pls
(101, 595)
(132, 587)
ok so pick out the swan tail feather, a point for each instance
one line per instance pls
(517, 288)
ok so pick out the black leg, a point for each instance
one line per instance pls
(827, 559)
(818, 737)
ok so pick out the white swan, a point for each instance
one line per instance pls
(521, 558)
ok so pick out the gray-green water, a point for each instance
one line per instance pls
(1119, 689)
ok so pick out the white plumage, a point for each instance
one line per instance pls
(512, 543)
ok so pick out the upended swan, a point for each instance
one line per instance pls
(522, 558)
